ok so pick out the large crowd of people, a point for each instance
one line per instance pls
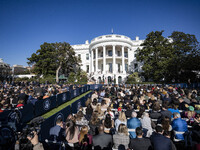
(134, 117)
(121, 117)
(17, 94)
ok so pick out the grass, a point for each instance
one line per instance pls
(55, 110)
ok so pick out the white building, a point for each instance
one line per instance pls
(109, 57)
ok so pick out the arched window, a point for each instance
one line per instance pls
(119, 80)
(109, 80)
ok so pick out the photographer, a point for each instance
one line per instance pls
(36, 144)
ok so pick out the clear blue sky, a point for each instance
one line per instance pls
(26, 24)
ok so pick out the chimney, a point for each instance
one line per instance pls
(87, 42)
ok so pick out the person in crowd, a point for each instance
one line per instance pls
(141, 111)
(35, 142)
(94, 95)
(57, 133)
(179, 126)
(190, 114)
(72, 132)
(109, 111)
(173, 109)
(132, 124)
(128, 111)
(121, 120)
(140, 143)
(89, 111)
(182, 104)
(121, 137)
(146, 124)
(102, 140)
(104, 105)
(80, 119)
(165, 124)
(20, 103)
(108, 124)
(94, 124)
(85, 139)
(23, 96)
(99, 111)
(155, 115)
(94, 104)
(165, 112)
(160, 142)
(168, 135)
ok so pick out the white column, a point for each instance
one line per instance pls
(129, 61)
(114, 60)
(123, 66)
(92, 61)
(104, 59)
(96, 59)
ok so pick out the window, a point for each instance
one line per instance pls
(87, 56)
(79, 56)
(87, 68)
(126, 67)
(118, 67)
(126, 54)
(136, 67)
(110, 67)
(118, 53)
(109, 52)
(101, 54)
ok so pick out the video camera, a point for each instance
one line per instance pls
(28, 131)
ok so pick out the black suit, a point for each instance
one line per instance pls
(103, 140)
(160, 142)
(140, 144)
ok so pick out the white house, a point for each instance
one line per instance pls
(109, 57)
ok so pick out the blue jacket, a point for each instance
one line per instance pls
(173, 111)
(179, 125)
(133, 123)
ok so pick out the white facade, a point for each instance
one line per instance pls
(109, 57)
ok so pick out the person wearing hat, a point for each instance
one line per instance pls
(190, 114)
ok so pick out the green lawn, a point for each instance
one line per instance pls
(55, 110)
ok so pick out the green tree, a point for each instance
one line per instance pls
(155, 54)
(186, 57)
(52, 58)
(133, 78)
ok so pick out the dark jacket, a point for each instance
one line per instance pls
(166, 113)
(160, 142)
(103, 140)
(140, 144)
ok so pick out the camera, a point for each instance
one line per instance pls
(28, 131)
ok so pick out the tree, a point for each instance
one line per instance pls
(52, 58)
(174, 58)
(156, 53)
(133, 78)
(186, 56)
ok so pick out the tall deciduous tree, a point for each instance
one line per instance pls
(173, 58)
(186, 56)
(52, 57)
(155, 55)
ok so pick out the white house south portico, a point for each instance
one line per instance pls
(109, 58)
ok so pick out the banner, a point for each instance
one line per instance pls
(62, 98)
(51, 122)
(27, 113)
(45, 105)
(75, 106)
